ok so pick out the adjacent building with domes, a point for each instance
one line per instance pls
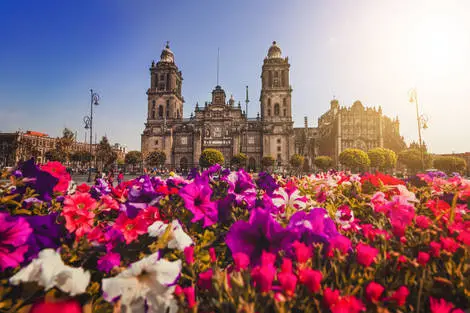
(222, 124)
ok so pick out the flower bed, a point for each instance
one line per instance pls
(221, 241)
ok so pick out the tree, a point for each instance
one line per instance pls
(323, 162)
(267, 161)
(133, 157)
(156, 158)
(296, 161)
(411, 158)
(382, 158)
(239, 160)
(56, 155)
(354, 159)
(450, 164)
(211, 157)
(105, 153)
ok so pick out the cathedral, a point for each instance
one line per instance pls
(223, 125)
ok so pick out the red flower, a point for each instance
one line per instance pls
(288, 282)
(366, 254)
(212, 255)
(189, 255)
(449, 244)
(440, 306)
(286, 266)
(190, 296)
(464, 237)
(108, 203)
(374, 291)
(435, 248)
(241, 261)
(205, 279)
(130, 228)
(423, 222)
(330, 297)
(78, 213)
(263, 277)
(69, 306)
(347, 304)
(423, 258)
(83, 188)
(302, 252)
(400, 295)
(311, 279)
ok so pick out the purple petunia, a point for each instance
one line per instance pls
(14, 234)
(197, 199)
(46, 233)
(242, 187)
(266, 182)
(42, 182)
(260, 233)
(315, 226)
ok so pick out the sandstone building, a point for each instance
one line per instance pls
(223, 124)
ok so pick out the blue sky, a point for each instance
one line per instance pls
(53, 52)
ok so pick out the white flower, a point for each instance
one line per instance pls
(179, 239)
(146, 281)
(281, 198)
(49, 271)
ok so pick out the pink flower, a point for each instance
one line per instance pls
(400, 295)
(449, 244)
(311, 279)
(374, 291)
(78, 213)
(212, 255)
(347, 304)
(366, 254)
(302, 252)
(205, 280)
(435, 248)
(423, 258)
(241, 261)
(189, 255)
(423, 222)
(14, 234)
(340, 243)
(69, 306)
(440, 305)
(190, 296)
(108, 203)
(178, 290)
(288, 282)
(286, 266)
(378, 201)
(130, 228)
(330, 297)
(263, 276)
(464, 237)
(59, 171)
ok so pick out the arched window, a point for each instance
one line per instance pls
(285, 112)
(276, 109)
(284, 102)
(276, 79)
(270, 79)
(269, 106)
(160, 111)
(153, 114)
(178, 113)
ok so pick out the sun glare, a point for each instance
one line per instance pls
(440, 45)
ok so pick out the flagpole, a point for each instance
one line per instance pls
(418, 119)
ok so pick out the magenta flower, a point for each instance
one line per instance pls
(242, 187)
(366, 254)
(374, 292)
(197, 199)
(107, 262)
(14, 233)
(260, 233)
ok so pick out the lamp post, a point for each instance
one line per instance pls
(88, 120)
(422, 124)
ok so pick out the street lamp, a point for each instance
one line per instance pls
(88, 120)
(422, 121)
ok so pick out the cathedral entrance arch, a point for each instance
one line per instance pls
(183, 163)
(252, 164)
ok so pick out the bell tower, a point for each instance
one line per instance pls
(275, 87)
(165, 101)
(276, 107)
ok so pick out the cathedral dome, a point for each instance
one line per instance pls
(274, 51)
(167, 55)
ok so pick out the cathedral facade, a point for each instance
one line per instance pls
(223, 124)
